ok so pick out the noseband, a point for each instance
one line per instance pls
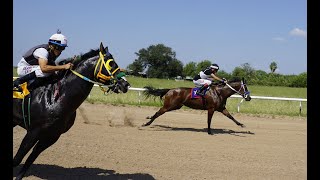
(245, 94)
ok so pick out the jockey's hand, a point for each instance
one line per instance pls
(68, 66)
(224, 80)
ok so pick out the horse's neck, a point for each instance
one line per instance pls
(227, 91)
(75, 88)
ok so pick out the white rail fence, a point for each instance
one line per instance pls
(300, 100)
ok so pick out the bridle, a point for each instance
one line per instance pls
(245, 94)
(99, 75)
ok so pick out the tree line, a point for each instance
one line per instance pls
(159, 61)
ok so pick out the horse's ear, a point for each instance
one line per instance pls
(102, 50)
(106, 50)
(244, 81)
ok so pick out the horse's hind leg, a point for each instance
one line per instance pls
(210, 114)
(157, 114)
(226, 113)
(43, 144)
(27, 143)
(160, 112)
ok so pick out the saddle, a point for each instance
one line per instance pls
(24, 93)
(27, 87)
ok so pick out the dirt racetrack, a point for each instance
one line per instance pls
(108, 142)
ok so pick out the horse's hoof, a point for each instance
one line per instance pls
(143, 125)
(242, 125)
(148, 117)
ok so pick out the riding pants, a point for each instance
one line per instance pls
(201, 82)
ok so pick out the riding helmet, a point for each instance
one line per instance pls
(58, 39)
(215, 66)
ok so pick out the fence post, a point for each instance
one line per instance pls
(139, 96)
(300, 108)
(239, 104)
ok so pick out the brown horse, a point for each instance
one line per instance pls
(214, 100)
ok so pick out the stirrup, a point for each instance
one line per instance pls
(17, 88)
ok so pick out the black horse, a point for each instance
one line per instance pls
(214, 100)
(51, 113)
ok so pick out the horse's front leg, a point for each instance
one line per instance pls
(29, 140)
(42, 144)
(210, 114)
(226, 113)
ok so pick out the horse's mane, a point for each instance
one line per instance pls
(82, 57)
(85, 56)
(90, 54)
(234, 79)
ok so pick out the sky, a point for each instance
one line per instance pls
(227, 32)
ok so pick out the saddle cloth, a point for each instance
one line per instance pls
(193, 93)
(21, 94)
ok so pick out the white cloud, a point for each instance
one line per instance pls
(298, 32)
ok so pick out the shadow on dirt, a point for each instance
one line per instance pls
(214, 131)
(45, 171)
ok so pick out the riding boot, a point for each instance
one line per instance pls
(21, 80)
(201, 91)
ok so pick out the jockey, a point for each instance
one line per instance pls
(205, 77)
(39, 61)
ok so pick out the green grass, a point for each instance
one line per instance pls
(255, 106)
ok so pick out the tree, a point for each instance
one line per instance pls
(249, 71)
(190, 69)
(244, 71)
(160, 61)
(238, 72)
(203, 64)
(223, 74)
(135, 67)
(299, 80)
(273, 66)
(175, 68)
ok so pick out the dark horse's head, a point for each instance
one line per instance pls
(106, 70)
(240, 87)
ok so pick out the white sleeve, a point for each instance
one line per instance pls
(41, 53)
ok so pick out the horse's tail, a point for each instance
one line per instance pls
(151, 91)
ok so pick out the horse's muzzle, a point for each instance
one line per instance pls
(123, 85)
(247, 97)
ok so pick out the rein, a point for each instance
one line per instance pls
(238, 92)
(100, 66)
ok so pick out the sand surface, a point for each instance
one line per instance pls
(108, 142)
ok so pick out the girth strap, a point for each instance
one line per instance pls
(23, 111)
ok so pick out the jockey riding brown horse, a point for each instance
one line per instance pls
(214, 100)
